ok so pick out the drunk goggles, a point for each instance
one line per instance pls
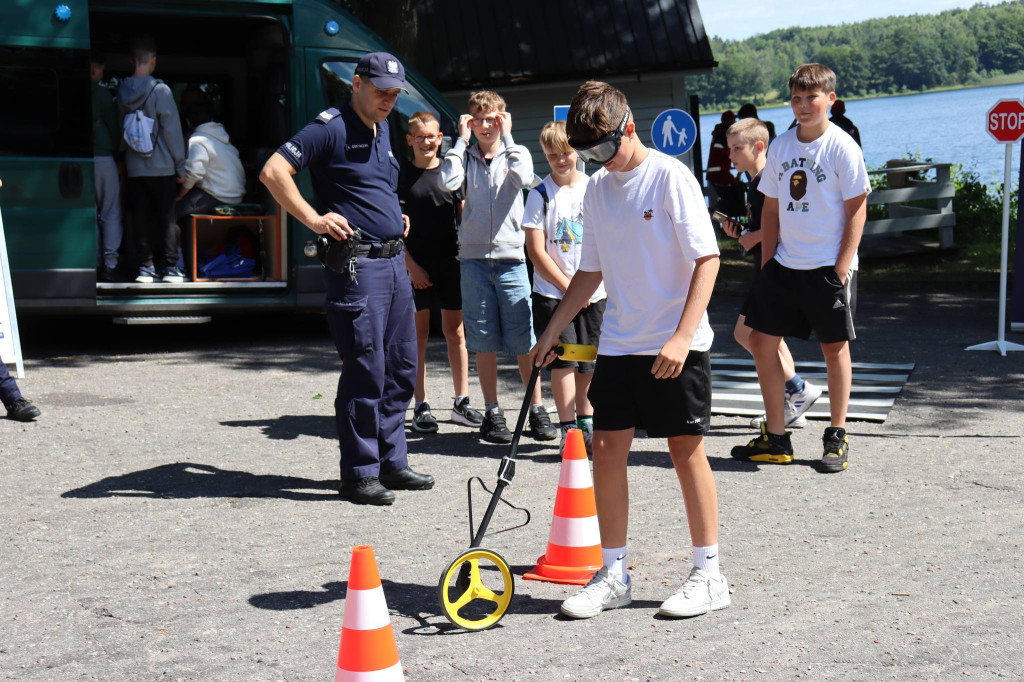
(603, 149)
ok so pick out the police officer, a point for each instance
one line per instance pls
(370, 310)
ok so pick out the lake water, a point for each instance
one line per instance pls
(944, 126)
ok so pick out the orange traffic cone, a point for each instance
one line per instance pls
(574, 545)
(368, 651)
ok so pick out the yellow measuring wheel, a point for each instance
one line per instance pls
(476, 589)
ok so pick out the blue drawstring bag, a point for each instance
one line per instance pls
(230, 263)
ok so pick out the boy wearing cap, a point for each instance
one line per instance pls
(816, 187)
(650, 241)
(369, 310)
(495, 285)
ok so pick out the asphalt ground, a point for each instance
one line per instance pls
(173, 516)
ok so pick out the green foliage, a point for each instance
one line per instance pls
(879, 56)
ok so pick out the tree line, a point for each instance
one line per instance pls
(880, 56)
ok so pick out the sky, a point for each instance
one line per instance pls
(738, 19)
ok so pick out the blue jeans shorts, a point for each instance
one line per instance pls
(496, 306)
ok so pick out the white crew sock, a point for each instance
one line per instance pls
(615, 562)
(706, 559)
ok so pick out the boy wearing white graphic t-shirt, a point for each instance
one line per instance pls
(554, 240)
(815, 186)
(650, 241)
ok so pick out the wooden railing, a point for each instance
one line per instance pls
(905, 185)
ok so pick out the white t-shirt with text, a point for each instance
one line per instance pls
(645, 229)
(811, 180)
(563, 231)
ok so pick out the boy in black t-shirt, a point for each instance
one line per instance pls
(748, 143)
(431, 257)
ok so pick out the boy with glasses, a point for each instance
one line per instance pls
(495, 286)
(432, 259)
(650, 241)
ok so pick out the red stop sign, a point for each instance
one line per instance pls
(1005, 121)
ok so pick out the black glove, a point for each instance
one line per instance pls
(338, 254)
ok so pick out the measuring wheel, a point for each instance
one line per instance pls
(475, 589)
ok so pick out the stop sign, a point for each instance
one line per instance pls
(1005, 121)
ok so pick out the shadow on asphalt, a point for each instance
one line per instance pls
(183, 480)
(419, 602)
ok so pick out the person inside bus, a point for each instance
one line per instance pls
(106, 133)
(213, 171)
(152, 184)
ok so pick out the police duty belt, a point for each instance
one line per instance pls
(339, 255)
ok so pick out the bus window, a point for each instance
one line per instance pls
(44, 116)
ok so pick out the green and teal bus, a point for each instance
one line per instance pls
(268, 66)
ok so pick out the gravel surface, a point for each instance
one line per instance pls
(173, 516)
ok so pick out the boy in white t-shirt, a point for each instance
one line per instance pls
(650, 240)
(554, 240)
(816, 187)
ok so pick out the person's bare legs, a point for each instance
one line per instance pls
(742, 335)
(697, 482)
(487, 371)
(563, 389)
(458, 358)
(611, 485)
(765, 349)
(583, 406)
(422, 319)
(525, 369)
(840, 378)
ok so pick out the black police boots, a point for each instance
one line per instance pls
(366, 491)
(406, 479)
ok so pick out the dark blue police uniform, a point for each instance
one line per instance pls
(355, 175)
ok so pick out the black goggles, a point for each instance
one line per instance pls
(605, 147)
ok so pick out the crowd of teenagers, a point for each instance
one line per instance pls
(625, 259)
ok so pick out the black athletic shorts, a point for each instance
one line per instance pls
(585, 328)
(446, 280)
(625, 395)
(791, 302)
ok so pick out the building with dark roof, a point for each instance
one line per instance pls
(536, 53)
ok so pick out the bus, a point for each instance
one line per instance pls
(268, 67)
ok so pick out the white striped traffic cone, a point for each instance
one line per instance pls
(367, 652)
(574, 545)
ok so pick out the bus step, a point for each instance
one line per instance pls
(162, 319)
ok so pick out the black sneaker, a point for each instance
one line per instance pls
(541, 427)
(463, 414)
(493, 429)
(837, 447)
(366, 491)
(422, 420)
(766, 448)
(23, 411)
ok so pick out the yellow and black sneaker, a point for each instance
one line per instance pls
(836, 449)
(766, 448)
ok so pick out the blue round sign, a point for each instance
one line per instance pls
(673, 132)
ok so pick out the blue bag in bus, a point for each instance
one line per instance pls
(230, 263)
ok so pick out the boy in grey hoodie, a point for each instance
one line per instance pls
(495, 285)
(152, 180)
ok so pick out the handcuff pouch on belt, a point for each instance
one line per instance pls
(339, 255)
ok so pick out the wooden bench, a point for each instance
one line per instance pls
(905, 185)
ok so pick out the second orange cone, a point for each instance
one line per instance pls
(574, 545)
(367, 652)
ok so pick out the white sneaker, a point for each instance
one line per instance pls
(699, 594)
(793, 419)
(603, 592)
(803, 400)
